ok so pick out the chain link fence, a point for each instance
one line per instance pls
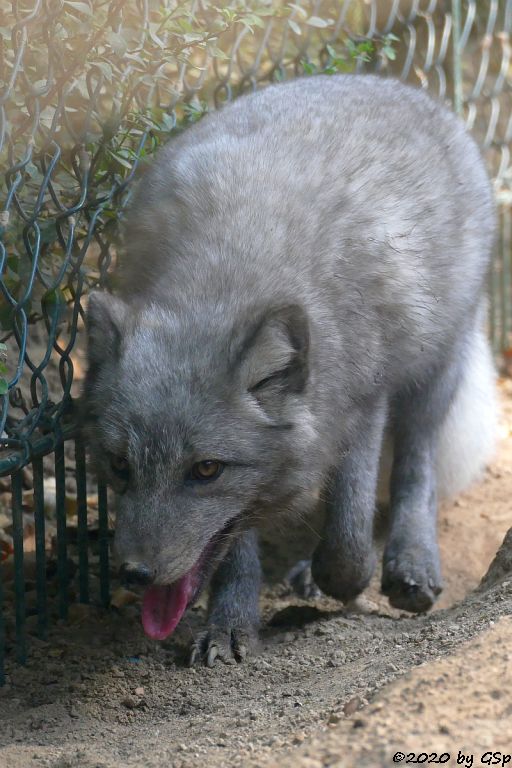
(88, 90)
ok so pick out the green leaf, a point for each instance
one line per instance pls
(361, 51)
(121, 160)
(54, 304)
(48, 231)
(168, 121)
(293, 24)
(105, 69)
(193, 37)
(6, 316)
(82, 7)
(32, 170)
(301, 11)
(316, 21)
(247, 25)
(218, 53)
(308, 67)
(117, 43)
(389, 52)
(4, 387)
(255, 20)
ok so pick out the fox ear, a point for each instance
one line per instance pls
(274, 355)
(105, 317)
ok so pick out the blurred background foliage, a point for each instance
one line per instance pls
(97, 86)
(91, 88)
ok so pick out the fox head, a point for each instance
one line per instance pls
(199, 421)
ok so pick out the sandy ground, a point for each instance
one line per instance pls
(459, 705)
(330, 686)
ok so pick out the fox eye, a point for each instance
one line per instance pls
(207, 470)
(120, 467)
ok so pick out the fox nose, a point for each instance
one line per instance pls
(136, 573)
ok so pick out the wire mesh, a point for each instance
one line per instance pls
(88, 90)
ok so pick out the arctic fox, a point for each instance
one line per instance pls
(305, 271)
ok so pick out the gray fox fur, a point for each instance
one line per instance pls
(305, 273)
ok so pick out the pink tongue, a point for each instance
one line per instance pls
(163, 606)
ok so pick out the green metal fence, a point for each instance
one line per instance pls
(88, 90)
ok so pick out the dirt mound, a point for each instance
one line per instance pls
(460, 705)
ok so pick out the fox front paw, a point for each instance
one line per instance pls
(229, 644)
(411, 579)
(340, 574)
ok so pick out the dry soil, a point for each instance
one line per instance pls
(330, 686)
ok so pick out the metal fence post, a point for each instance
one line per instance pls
(457, 61)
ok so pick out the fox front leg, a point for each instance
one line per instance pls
(412, 570)
(344, 561)
(233, 611)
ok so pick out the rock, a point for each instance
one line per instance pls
(117, 672)
(131, 702)
(501, 566)
(122, 597)
(351, 706)
(79, 612)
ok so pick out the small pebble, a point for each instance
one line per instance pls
(130, 702)
(77, 687)
(352, 706)
(117, 672)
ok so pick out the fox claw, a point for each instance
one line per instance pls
(301, 580)
(230, 645)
